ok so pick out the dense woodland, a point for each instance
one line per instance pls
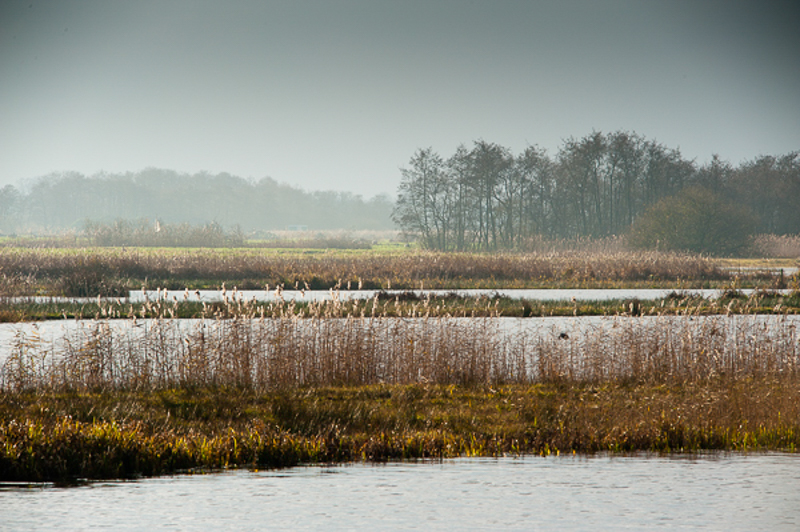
(600, 185)
(71, 201)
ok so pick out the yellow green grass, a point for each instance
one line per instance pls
(67, 436)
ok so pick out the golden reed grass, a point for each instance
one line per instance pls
(255, 388)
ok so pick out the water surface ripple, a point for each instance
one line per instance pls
(643, 492)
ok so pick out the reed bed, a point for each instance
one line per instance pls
(327, 239)
(89, 272)
(145, 233)
(583, 245)
(292, 349)
(398, 303)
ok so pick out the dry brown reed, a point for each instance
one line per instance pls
(327, 239)
(285, 347)
(91, 271)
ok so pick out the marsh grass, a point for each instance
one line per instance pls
(777, 246)
(65, 436)
(400, 303)
(247, 390)
(109, 271)
(144, 232)
(324, 240)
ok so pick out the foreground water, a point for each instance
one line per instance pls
(710, 492)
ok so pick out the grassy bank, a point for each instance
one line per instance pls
(68, 435)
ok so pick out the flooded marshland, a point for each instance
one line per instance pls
(314, 385)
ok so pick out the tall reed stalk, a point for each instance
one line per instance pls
(291, 348)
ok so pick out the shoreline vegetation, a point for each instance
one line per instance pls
(250, 392)
(398, 304)
(392, 269)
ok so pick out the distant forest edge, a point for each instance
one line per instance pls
(72, 201)
(601, 185)
(617, 188)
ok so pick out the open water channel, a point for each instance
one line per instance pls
(644, 492)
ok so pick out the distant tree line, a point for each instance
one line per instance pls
(70, 200)
(600, 185)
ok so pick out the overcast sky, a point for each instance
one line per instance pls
(339, 94)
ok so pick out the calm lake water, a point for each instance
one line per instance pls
(709, 492)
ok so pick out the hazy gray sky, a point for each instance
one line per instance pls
(339, 94)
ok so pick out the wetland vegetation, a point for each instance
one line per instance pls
(241, 390)
(408, 304)
(115, 271)
(267, 384)
(69, 435)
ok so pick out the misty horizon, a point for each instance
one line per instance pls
(481, 196)
(24, 185)
(338, 95)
